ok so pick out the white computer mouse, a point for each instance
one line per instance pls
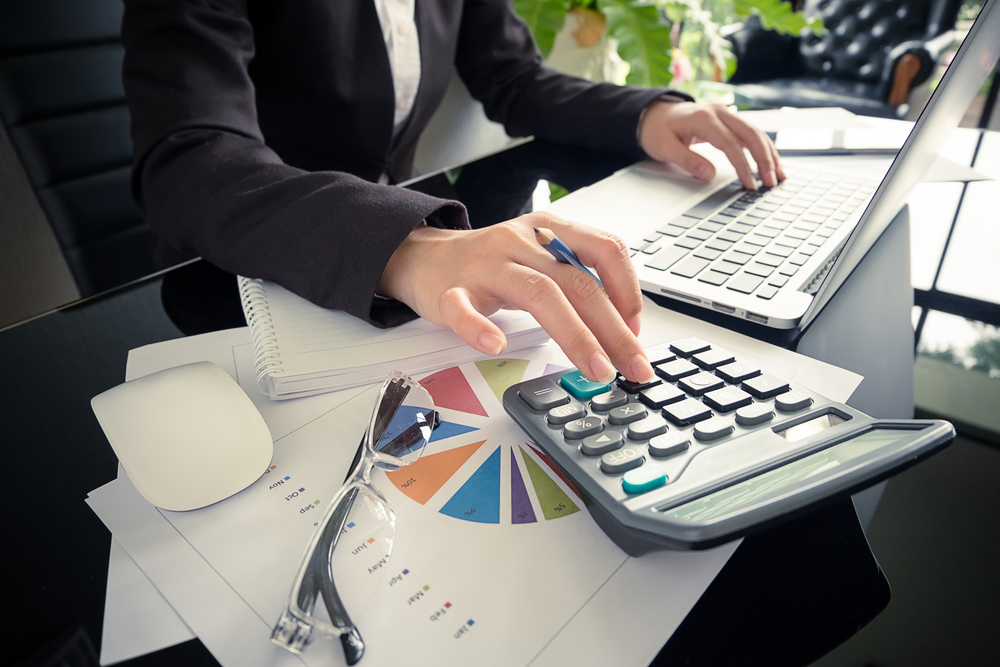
(187, 436)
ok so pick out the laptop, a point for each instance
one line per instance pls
(774, 256)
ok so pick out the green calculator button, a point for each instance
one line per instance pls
(646, 478)
(577, 384)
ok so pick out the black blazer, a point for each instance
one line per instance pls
(259, 127)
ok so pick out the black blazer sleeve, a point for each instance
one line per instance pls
(208, 184)
(500, 64)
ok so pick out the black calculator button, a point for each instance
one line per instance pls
(635, 387)
(579, 429)
(664, 394)
(628, 413)
(647, 428)
(621, 460)
(712, 429)
(700, 383)
(712, 359)
(737, 372)
(659, 354)
(564, 413)
(727, 399)
(685, 347)
(542, 394)
(765, 386)
(687, 412)
(792, 401)
(608, 400)
(754, 414)
(675, 370)
(670, 444)
(595, 445)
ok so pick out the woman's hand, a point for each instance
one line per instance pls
(667, 129)
(456, 278)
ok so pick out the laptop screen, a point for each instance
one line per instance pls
(971, 65)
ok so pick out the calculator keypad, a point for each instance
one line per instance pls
(703, 397)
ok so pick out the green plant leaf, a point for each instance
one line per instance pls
(643, 41)
(778, 16)
(545, 19)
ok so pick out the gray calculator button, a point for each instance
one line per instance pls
(595, 445)
(712, 429)
(712, 359)
(685, 347)
(687, 412)
(657, 397)
(765, 386)
(628, 413)
(630, 387)
(647, 428)
(792, 401)
(696, 385)
(670, 444)
(659, 354)
(579, 429)
(751, 415)
(543, 394)
(564, 413)
(737, 371)
(608, 400)
(621, 460)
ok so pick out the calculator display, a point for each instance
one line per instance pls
(732, 499)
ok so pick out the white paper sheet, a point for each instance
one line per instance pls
(225, 636)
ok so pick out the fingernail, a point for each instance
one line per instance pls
(641, 370)
(490, 343)
(601, 368)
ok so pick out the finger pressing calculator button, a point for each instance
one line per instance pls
(542, 394)
(754, 414)
(792, 401)
(700, 383)
(595, 445)
(644, 429)
(626, 414)
(608, 400)
(712, 429)
(621, 460)
(643, 479)
(636, 387)
(737, 371)
(688, 346)
(669, 444)
(675, 370)
(687, 412)
(578, 429)
(765, 386)
(564, 413)
(727, 399)
(657, 397)
(577, 384)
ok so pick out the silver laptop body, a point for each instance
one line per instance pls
(774, 257)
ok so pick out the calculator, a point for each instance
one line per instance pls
(712, 449)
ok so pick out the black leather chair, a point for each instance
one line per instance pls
(873, 53)
(63, 107)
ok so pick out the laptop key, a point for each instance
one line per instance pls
(707, 253)
(779, 250)
(699, 234)
(745, 283)
(798, 259)
(740, 228)
(761, 270)
(651, 249)
(710, 226)
(778, 280)
(768, 259)
(729, 236)
(767, 292)
(719, 244)
(671, 230)
(747, 248)
(687, 243)
(714, 201)
(689, 267)
(737, 257)
(685, 222)
(667, 257)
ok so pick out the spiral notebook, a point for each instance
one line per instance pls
(302, 349)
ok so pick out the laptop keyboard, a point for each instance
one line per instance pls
(754, 241)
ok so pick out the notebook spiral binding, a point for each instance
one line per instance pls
(265, 343)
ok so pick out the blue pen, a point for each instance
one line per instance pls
(561, 251)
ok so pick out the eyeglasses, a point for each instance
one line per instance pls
(352, 543)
